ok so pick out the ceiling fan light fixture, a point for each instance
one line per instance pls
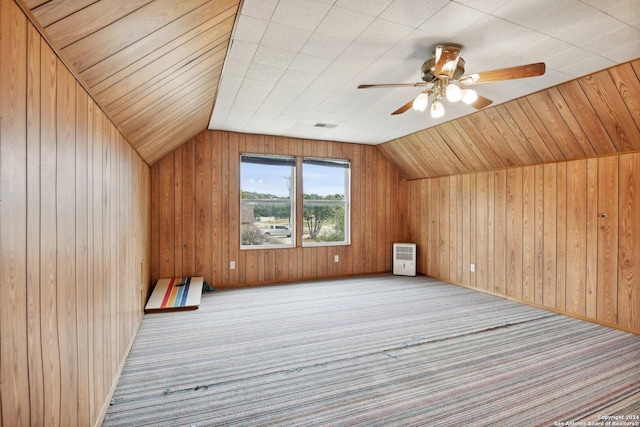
(469, 96)
(421, 101)
(437, 109)
(453, 93)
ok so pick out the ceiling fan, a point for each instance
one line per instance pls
(446, 67)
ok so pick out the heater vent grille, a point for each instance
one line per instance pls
(404, 259)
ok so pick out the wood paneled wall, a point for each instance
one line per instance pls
(74, 229)
(195, 213)
(565, 236)
(595, 115)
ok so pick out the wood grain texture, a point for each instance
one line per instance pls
(215, 197)
(576, 237)
(152, 65)
(536, 235)
(71, 250)
(607, 220)
(592, 116)
(14, 369)
(629, 244)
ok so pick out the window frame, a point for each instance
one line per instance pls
(344, 164)
(296, 223)
(273, 159)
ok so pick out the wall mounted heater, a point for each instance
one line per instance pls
(404, 259)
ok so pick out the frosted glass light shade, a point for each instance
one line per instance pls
(469, 96)
(421, 101)
(454, 93)
(437, 110)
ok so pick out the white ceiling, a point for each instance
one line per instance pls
(295, 63)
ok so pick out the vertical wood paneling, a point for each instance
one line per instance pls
(514, 233)
(14, 373)
(167, 213)
(203, 211)
(491, 231)
(549, 251)
(561, 235)
(576, 237)
(482, 230)
(500, 266)
(434, 229)
(65, 213)
(607, 223)
(379, 193)
(453, 227)
(188, 208)
(629, 248)
(33, 212)
(100, 382)
(81, 243)
(213, 204)
(591, 267)
(472, 236)
(542, 232)
(528, 234)
(178, 209)
(69, 246)
(538, 235)
(443, 226)
(467, 218)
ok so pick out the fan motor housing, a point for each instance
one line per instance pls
(429, 67)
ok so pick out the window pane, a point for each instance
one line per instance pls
(323, 223)
(323, 181)
(266, 223)
(326, 202)
(267, 195)
(265, 181)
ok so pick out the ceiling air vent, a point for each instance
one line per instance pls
(325, 125)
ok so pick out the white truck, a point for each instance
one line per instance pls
(278, 231)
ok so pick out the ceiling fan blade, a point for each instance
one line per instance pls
(404, 108)
(418, 84)
(481, 102)
(446, 60)
(519, 72)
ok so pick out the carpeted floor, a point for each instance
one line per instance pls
(378, 350)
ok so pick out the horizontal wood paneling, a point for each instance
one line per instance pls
(562, 236)
(74, 238)
(592, 116)
(152, 65)
(199, 183)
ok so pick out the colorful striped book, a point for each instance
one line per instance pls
(177, 293)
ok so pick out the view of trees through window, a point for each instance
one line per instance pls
(267, 189)
(325, 191)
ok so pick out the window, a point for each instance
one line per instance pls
(267, 190)
(268, 202)
(325, 186)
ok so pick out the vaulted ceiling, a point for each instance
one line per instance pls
(152, 65)
(595, 115)
(164, 70)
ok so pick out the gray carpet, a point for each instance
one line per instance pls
(378, 350)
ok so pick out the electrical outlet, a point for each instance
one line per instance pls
(473, 268)
(232, 265)
(336, 258)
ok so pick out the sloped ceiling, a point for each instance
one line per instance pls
(156, 68)
(153, 65)
(595, 115)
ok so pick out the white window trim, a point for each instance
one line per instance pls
(292, 201)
